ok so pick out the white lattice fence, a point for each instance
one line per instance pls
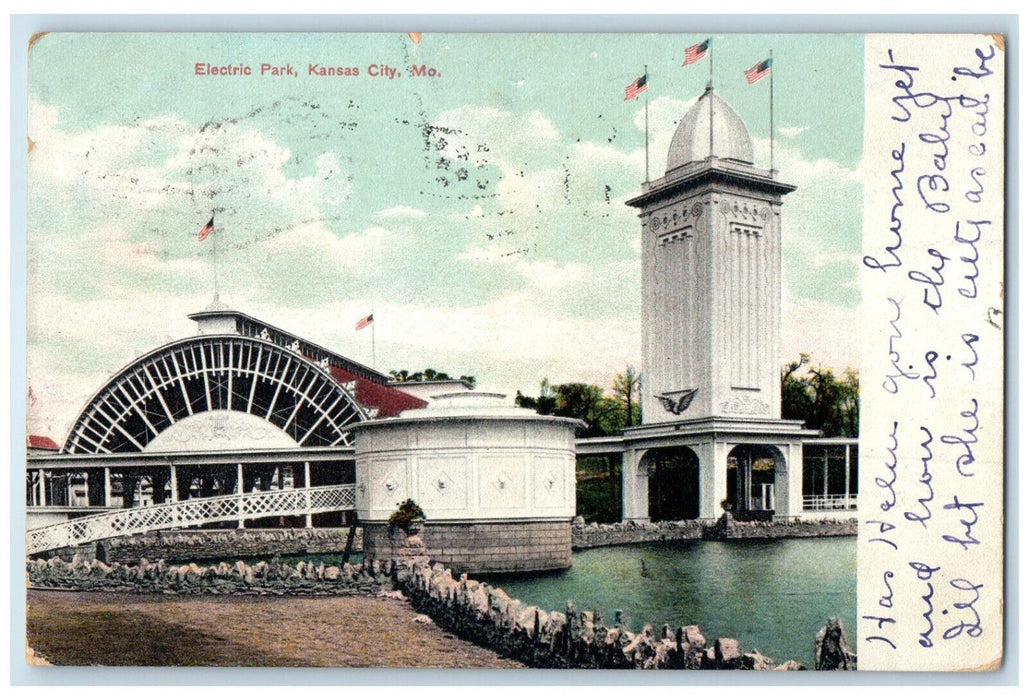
(195, 511)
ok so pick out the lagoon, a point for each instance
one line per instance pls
(771, 595)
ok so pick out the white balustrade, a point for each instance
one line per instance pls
(839, 501)
(195, 511)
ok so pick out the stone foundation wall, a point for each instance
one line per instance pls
(200, 545)
(785, 529)
(611, 534)
(482, 547)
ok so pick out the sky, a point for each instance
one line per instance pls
(478, 212)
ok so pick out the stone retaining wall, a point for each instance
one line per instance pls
(200, 545)
(725, 528)
(610, 534)
(789, 529)
(276, 578)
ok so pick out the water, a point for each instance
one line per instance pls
(771, 595)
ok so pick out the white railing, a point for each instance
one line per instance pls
(191, 512)
(833, 501)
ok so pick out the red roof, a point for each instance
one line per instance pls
(42, 442)
(388, 400)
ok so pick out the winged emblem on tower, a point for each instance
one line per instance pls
(676, 401)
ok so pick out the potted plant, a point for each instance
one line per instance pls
(408, 516)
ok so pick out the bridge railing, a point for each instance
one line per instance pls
(191, 512)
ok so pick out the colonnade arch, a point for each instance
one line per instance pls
(673, 483)
(751, 472)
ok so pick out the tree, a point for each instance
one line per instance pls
(575, 400)
(545, 404)
(426, 375)
(820, 399)
(627, 385)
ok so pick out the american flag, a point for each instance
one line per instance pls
(206, 230)
(760, 70)
(637, 87)
(696, 52)
(364, 322)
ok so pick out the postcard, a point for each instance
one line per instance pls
(632, 351)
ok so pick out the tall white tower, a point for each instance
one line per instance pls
(712, 275)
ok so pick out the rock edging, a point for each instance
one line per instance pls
(588, 536)
(489, 617)
(263, 578)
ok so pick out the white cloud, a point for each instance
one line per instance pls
(164, 166)
(823, 216)
(830, 333)
(792, 132)
(313, 242)
(401, 212)
(475, 212)
(665, 113)
(510, 343)
(512, 139)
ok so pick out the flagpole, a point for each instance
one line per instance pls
(771, 113)
(646, 128)
(374, 364)
(214, 255)
(711, 105)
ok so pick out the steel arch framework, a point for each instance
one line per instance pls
(211, 373)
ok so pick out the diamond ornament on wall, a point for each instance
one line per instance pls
(549, 480)
(442, 482)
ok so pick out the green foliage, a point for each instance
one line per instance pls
(603, 415)
(823, 401)
(598, 488)
(627, 386)
(427, 375)
(406, 513)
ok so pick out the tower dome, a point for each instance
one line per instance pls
(693, 139)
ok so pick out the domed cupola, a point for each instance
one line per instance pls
(694, 138)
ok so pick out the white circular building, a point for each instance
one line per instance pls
(496, 482)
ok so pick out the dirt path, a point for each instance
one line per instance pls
(114, 629)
